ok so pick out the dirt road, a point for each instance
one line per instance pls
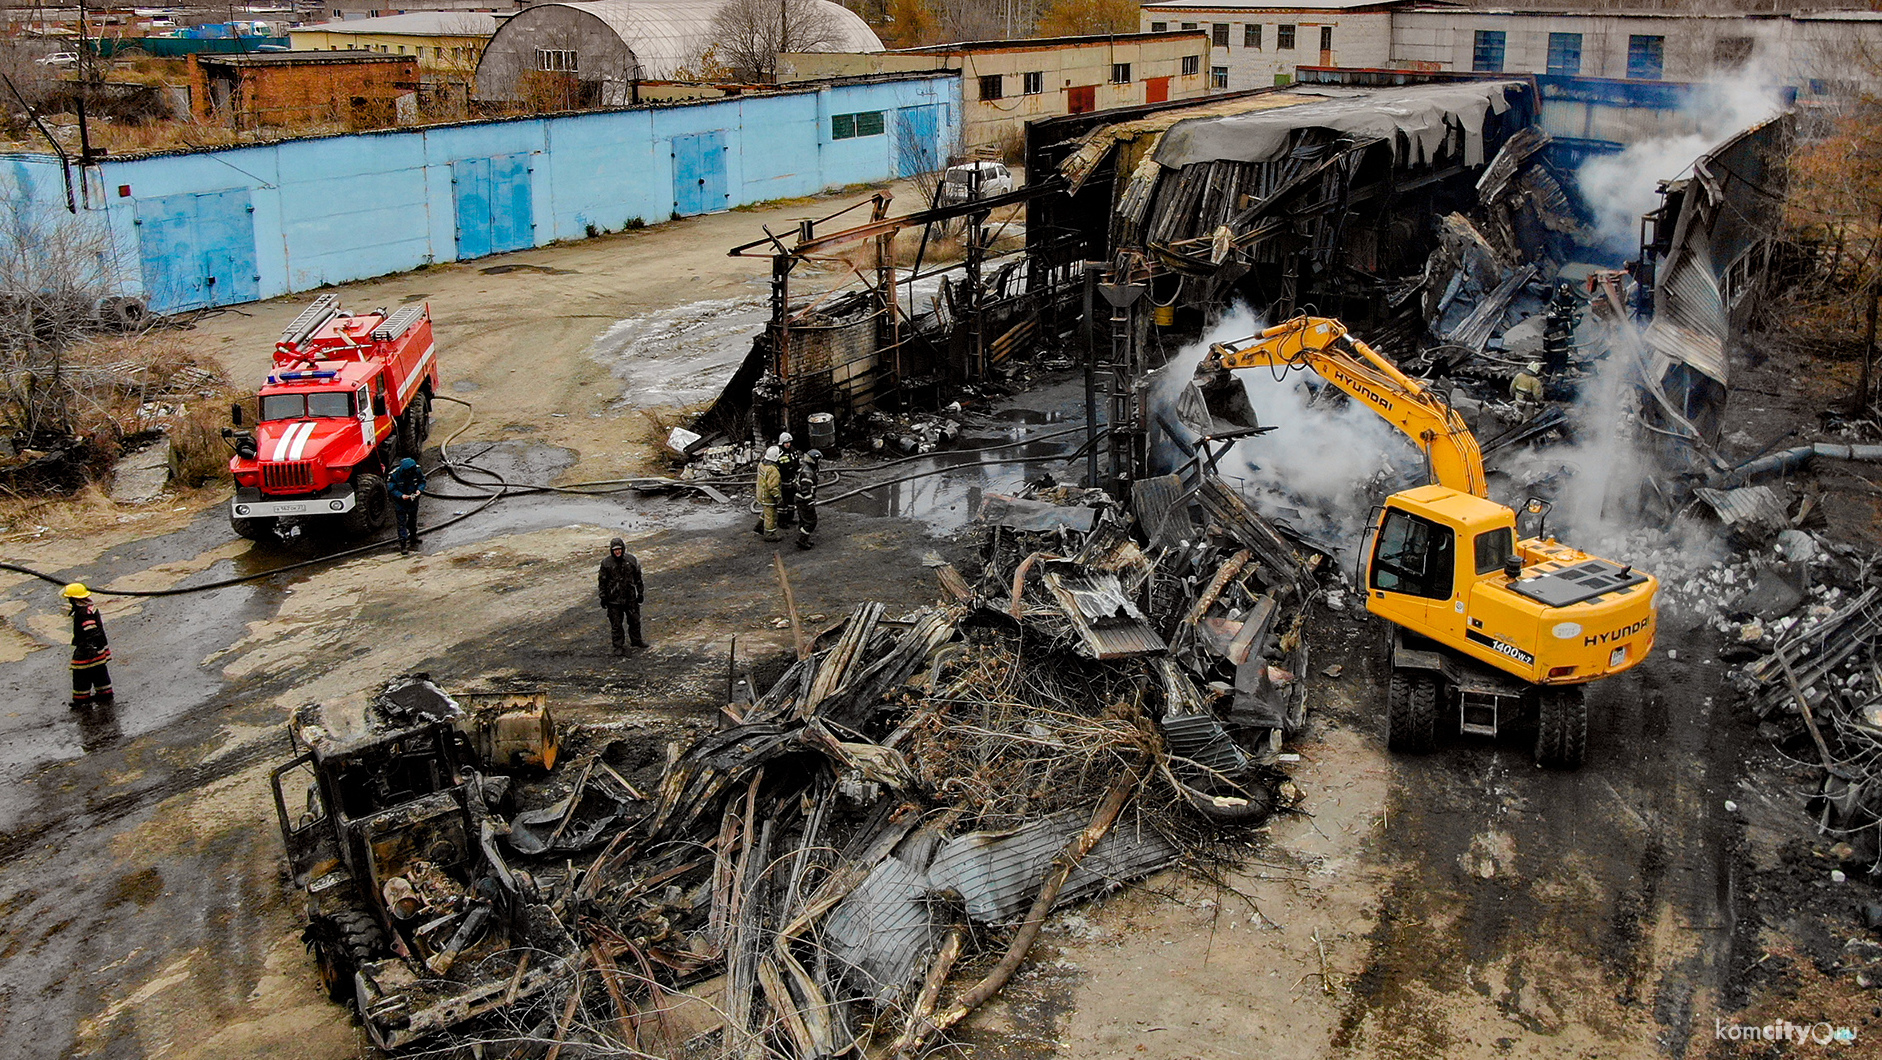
(1464, 904)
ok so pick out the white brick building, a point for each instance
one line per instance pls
(1817, 52)
(1257, 45)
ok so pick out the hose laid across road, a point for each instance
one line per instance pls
(503, 487)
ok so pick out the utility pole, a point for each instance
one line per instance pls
(84, 89)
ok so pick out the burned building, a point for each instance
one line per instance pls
(1327, 196)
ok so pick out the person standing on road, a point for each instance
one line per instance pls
(807, 497)
(406, 484)
(770, 492)
(621, 594)
(787, 479)
(91, 678)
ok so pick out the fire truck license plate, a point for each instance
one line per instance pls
(284, 508)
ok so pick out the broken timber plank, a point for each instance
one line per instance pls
(1229, 512)
(790, 607)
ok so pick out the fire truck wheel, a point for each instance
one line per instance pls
(1561, 727)
(371, 506)
(253, 529)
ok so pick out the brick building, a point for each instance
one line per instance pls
(1007, 83)
(1259, 43)
(285, 90)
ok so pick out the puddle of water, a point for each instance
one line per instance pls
(499, 270)
(948, 501)
(681, 355)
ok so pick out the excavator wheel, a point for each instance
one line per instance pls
(341, 941)
(1411, 722)
(1561, 727)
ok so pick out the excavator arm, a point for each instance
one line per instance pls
(1325, 346)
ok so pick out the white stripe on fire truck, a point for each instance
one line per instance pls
(418, 374)
(300, 443)
(281, 442)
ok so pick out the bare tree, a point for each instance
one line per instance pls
(58, 284)
(749, 34)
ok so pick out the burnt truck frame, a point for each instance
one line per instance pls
(377, 806)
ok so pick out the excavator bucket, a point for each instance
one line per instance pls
(1215, 404)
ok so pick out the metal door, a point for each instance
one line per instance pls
(917, 140)
(197, 250)
(492, 199)
(699, 174)
(470, 196)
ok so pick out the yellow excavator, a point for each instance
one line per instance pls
(1484, 625)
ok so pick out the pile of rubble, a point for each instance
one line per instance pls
(1099, 699)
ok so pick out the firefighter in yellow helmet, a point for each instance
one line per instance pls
(91, 678)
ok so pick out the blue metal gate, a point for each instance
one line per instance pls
(917, 140)
(491, 197)
(699, 174)
(197, 250)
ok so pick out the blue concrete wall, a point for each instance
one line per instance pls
(335, 209)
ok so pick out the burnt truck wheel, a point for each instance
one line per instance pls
(371, 506)
(341, 942)
(1411, 721)
(253, 529)
(1561, 727)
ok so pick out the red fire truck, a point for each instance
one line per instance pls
(348, 396)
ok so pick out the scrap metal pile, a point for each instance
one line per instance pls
(900, 810)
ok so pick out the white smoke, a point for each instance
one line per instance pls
(1319, 466)
(1619, 188)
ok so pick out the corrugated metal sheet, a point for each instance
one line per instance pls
(1016, 513)
(1754, 507)
(1158, 504)
(883, 931)
(1702, 352)
(1202, 739)
(1094, 601)
(997, 874)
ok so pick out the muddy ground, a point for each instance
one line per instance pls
(1464, 904)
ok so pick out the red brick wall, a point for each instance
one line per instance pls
(359, 95)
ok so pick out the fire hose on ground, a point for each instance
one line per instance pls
(502, 487)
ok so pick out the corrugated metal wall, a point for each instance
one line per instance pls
(336, 209)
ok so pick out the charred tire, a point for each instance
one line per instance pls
(341, 942)
(372, 506)
(1411, 723)
(253, 529)
(1561, 727)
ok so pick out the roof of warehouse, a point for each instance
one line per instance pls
(666, 35)
(303, 58)
(1034, 43)
(414, 23)
(1275, 5)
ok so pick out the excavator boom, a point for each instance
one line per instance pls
(1324, 345)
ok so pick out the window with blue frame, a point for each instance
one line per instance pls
(1565, 53)
(1646, 57)
(1486, 56)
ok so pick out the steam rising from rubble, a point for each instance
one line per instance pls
(1322, 460)
(1619, 188)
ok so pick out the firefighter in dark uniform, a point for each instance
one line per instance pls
(91, 678)
(621, 594)
(787, 479)
(406, 484)
(807, 497)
